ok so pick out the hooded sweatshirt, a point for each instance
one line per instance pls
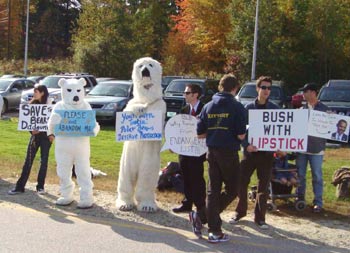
(222, 119)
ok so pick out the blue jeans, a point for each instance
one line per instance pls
(317, 178)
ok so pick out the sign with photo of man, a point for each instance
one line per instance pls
(329, 126)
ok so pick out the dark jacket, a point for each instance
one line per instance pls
(222, 119)
(316, 144)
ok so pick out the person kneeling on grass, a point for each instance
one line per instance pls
(37, 139)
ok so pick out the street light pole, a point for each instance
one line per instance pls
(255, 40)
(26, 42)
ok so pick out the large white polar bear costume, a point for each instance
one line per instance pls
(140, 161)
(71, 151)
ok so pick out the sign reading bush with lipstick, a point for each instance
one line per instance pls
(284, 130)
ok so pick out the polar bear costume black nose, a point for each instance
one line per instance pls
(145, 73)
(76, 99)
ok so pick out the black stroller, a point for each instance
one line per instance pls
(279, 190)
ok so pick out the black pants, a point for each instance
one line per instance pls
(194, 183)
(262, 162)
(39, 140)
(223, 168)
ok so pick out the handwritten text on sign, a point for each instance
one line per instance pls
(325, 125)
(181, 136)
(34, 117)
(76, 123)
(144, 127)
(284, 130)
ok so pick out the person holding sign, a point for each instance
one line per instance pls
(253, 159)
(37, 140)
(192, 166)
(223, 123)
(314, 153)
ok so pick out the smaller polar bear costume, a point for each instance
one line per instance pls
(71, 151)
(140, 161)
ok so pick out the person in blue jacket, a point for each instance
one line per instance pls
(223, 123)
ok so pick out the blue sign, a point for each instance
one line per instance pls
(144, 127)
(76, 123)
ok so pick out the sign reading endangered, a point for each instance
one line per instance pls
(284, 130)
(143, 127)
(75, 123)
(181, 136)
(34, 117)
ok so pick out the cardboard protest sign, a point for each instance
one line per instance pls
(284, 130)
(329, 126)
(34, 117)
(181, 136)
(144, 127)
(75, 123)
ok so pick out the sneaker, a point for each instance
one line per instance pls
(262, 225)
(14, 192)
(196, 224)
(213, 238)
(235, 219)
(41, 191)
(316, 209)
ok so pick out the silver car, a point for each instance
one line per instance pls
(109, 97)
(11, 91)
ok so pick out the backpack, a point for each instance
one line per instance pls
(170, 178)
(341, 179)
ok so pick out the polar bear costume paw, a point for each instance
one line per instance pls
(123, 206)
(147, 207)
(85, 204)
(64, 201)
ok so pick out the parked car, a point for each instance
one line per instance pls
(51, 82)
(173, 94)
(103, 79)
(35, 79)
(11, 90)
(248, 93)
(336, 97)
(167, 79)
(109, 97)
(298, 100)
(11, 76)
(337, 82)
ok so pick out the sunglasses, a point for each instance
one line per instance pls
(187, 92)
(265, 87)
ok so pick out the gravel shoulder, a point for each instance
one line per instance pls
(320, 230)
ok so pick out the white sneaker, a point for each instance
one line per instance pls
(41, 191)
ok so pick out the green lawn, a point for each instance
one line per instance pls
(106, 152)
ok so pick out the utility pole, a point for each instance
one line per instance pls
(255, 40)
(8, 27)
(26, 42)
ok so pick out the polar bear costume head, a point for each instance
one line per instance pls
(73, 92)
(147, 80)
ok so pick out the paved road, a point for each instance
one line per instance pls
(24, 229)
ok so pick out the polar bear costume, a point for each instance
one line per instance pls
(140, 160)
(71, 151)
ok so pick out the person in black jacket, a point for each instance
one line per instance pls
(223, 123)
(192, 167)
(262, 161)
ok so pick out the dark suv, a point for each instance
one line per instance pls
(173, 95)
(51, 82)
(336, 97)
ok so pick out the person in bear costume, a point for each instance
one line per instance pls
(140, 160)
(71, 151)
